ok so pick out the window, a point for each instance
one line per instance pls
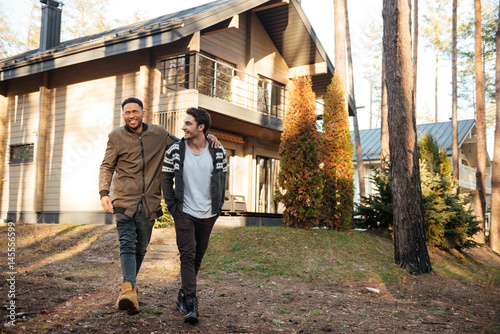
(215, 76)
(175, 73)
(271, 97)
(21, 153)
(267, 182)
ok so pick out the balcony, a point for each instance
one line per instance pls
(221, 80)
(467, 177)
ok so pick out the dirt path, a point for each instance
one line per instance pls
(65, 286)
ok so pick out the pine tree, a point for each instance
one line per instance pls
(300, 176)
(338, 186)
(376, 209)
(448, 220)
(410, 248)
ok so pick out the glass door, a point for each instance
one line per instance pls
(266, 179)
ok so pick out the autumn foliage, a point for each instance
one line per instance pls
(338, 186)
(300, 175)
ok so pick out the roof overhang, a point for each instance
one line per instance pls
(146, 34)
(284, 21)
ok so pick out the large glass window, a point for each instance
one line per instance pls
(175, 73)
(215, 77)
(267, 181)
(270, 97)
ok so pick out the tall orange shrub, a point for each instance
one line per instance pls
(337, 149)
(299, 177)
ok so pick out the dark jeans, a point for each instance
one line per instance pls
(193, 235)
(134, 235)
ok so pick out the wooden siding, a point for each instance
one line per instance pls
(179, 100)
(228, 45)
(19, 186)
(268, 61)
(232, 46)
(83, 115)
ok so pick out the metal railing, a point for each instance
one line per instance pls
(219, 79)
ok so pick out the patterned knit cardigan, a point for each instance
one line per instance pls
(173, 168)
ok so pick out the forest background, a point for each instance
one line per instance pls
(20, 26)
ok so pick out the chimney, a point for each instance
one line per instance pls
(50, 33)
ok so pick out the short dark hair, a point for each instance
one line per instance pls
(201, 116)
(132, 100)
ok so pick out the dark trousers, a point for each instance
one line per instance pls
(193, 235)
(134, 235)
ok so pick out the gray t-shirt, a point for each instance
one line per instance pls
(198, 169)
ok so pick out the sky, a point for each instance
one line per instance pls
(320, 15)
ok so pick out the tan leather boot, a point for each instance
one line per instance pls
(127, 301)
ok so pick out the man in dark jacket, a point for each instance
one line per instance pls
(134, 153)
(200, 173)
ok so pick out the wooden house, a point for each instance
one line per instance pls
(234, 58)
(442, 133)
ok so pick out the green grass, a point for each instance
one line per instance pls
(323, 256)
(309, 255)
(464, 268)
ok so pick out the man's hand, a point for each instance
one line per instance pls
(106, 204)
(215, 142)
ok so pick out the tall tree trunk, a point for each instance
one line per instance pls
(357, 139)
(454, 115)
(384, 126)
(415, 52)
(480, 123)
(495, 177)
(436, 89)
(410, 246)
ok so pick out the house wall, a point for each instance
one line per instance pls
(84, 106)
(19, 179)
(268, 61)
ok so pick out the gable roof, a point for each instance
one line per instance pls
(286, 24)
(442, 132)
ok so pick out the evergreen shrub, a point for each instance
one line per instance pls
(337, 154)
(449, 222)
(299, 179)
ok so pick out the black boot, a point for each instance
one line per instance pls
(192, 316)
(181, 302)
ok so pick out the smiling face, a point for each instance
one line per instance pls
(191, 129)
(133, 115)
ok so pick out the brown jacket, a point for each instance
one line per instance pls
(136, 159)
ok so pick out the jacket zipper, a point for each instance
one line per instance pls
(143, 177)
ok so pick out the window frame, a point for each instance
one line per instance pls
(29, 149)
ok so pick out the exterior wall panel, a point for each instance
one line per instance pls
(84, 114)
(19, 185)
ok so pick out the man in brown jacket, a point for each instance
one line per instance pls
(134, 153)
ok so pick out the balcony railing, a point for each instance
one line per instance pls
(222, 80)
(467, 177)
